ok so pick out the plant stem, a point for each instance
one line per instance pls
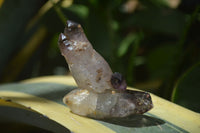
(168, 85)
(187, 27)
(131, 65)
(59, 12)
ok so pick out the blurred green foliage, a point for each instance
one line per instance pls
(186, 92)
(152, 43)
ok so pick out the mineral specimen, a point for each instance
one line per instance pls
(101, 93)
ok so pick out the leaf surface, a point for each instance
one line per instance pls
(44, 95)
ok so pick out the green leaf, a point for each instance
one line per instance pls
(44, 95)
(126, 42)
(187, 89)
(27, 119)
(160, 62)
(163, 20)
(80, 10)
(14, 17)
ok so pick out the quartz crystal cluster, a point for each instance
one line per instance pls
(100, 93)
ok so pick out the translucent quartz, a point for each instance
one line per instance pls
(88, 68)
(107, 104)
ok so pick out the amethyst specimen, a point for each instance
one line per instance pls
(100, 93)
(88, 68)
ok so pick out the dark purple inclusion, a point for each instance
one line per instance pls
(118, 82)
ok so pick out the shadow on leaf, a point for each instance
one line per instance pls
(135, 121)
